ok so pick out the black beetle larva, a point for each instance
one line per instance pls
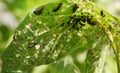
(40, 11)
(75, 8)
(58, 7)
(102, 14)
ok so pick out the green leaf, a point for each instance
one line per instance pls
(58, 29)
(63, 66)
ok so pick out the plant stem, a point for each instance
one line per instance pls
(114, 45)
(117, 54)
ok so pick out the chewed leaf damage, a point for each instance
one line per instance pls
(53, 31)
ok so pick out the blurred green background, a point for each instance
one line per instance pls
(12, 12)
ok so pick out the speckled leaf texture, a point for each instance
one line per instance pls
(55, 30)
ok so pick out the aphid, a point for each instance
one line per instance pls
(102, 14)
(40, 11)
(75, 8)
(58, 7)
(75, 22)
(92, 23)
(87, 17)
(32, 44)
(72, 19)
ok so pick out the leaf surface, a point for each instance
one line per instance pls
(56, 30)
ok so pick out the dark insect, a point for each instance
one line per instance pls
(32, 44)
(72, 19)
(75, 8)
(40, 11)
(102, 14)
(87, 17)
(92, 23)
(74, 22)
(79, 21)
(58, 7)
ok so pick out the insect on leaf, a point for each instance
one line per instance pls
(56, 30)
